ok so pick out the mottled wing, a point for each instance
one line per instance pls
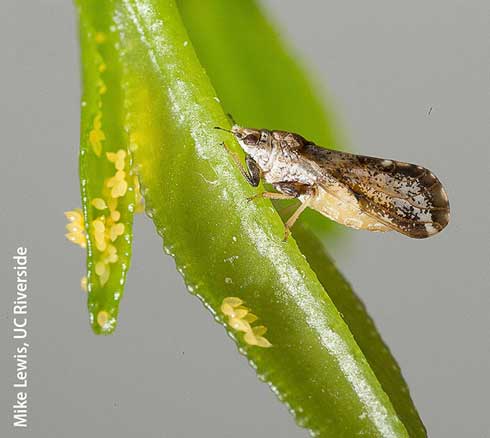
(405, 197)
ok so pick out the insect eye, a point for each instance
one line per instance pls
(251, 139)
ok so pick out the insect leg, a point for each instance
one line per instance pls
(271, 195)
(295, 190)
(290, 222)
(252, 174)
(287, 190)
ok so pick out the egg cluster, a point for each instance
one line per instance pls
(106, 227)
(240, 319)
(76, 227)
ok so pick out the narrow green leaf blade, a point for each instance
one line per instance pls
(226, 247)
(106, 183)
(260, 82)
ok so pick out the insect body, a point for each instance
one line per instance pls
(357, 191)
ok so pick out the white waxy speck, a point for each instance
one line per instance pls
(386, 163)
(225, 195)
(213, 183)
(233, 238)
(186, 43)
(228, 280)
(231, 259)
(430, 229)
(216, 98)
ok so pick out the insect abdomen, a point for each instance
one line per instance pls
(340, 205)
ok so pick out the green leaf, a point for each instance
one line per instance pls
(107, 195)
(261, 84)
(226, 247)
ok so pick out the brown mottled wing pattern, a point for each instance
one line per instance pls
(405, 197)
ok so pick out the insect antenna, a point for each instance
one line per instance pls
(231, 118)
(223, 129)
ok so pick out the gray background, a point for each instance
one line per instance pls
(170, 370)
